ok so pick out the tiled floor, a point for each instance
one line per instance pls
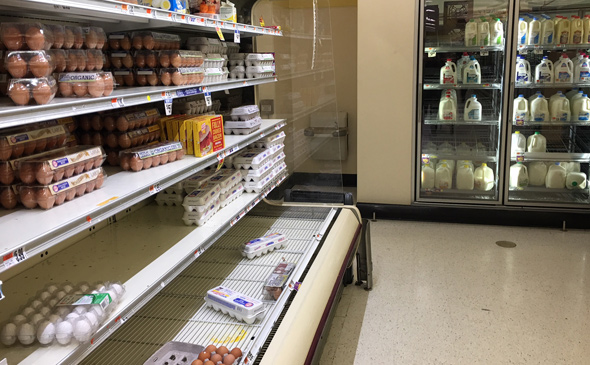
(447, 294)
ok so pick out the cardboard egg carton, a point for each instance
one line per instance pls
(251, 159)
(200, 218)
(235, 304)
(264, 245)
(201, 197)
(231, 195)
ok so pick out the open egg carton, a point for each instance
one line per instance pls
(235, 304)
(263, 245)
(270, 141)
(259, 59)
(215, 75)
(257, 72)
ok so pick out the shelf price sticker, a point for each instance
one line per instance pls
(238, 217)
(168, 94)
(127, 9)
(168, 106)
(519, 157)
(208, 100)
(15, 257)
(117, 102)
(232, 150)
(219, 33)
(431, 52)
(180, 18)
(484, 53)
(236, 36)
(537, 50)
(154, 189)
(199, 252)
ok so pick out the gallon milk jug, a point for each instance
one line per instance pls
(544, 72)
(466, 162)
(483, 178)
(576, 30)
(564, 69)
(523, 70)
(518, 143)
(463, 148)
(574, 101)
(547, 30)
(554, 97)
(427, 176)
(449, 163)
(555, 178)
(461, 63)
(472, 111)
(582, 71)
(576, 180)
(447, 110)
(560, 110)
(581, 109)
(563, 31)
(534, 36)
(519, 176)
(540, 109)
(497, 33)
(537, 143)
(522, 31)
(537, 172)
(521, 109)
(573, 92)
(446, 147)
(534, 96)
(472, 72)
(464, 179)
(448, 73)
(471, 33)
(444, 177)
(484, 32)
(586, 22)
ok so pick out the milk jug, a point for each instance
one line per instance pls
(523, 70)
(564, 69)
(448, 73)
(465, 162)
(461, 65)
(539, 109)
(484, 32)
(573, 92)
(518, 143)
(554, 97)
(427, 177)
(534, 96)
(574, 101)
(576, 180)
(547, 30)
(576, 30)
(522, 31)
(537, 143)
(534, 36)
(586, 22)
(581, 109)
(471, 33)
(544, 72)
(519, 176)
(446, 147)
(582, 71)
(447, 110)
(563, 31)
(472, 72)
(483, 178)
(497, 33)
(560, 110)
(555, 178)
(472, 111)
(464, 179)
(463, 148)
(537, 172)
(521, 109)
(443, 178)
(449, 163)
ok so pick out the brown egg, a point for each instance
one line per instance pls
(69, 38)
(127, 61)
(51, 142)
(112, 141)
(96, 88)
(90, 61)
(60, 198)
(90, 186)
(210, 363)
(66, 89)
(222, 350)
(8, 198)
(113, 158)
(69, 171)
(91, 39)
(236, 352)
(86, 139)
(141, 80)
(5, 150)
(164, 159)
(156, 161)
(166, 78)
(122, 123)
(164, 59)
(115, 44)
(229, 359)
(119, 80)
(84, 122)
(172, 156)
(42, 93)
(45, 199)
(99, 61)
(18, 150)
(28, 197)
(116, 62)
(124, 161)
(137, 42)
(197, 362)
(180, 154)
(177, 78)
(124, 141)
(19, 93)
(129, 79)
(35, 38)
(59, 60)
(30, 147)
(97, 139)
(151, 60)
(78, 38)
(39, 66)
(81, 189)
(108, 123)
(16, 66)
(89, 165)
(126, 43)
(12, 38)
(6, 174)
(136, 163)
(147, 163)
(149, 42)
(41, 145)
(139, 60)
(153, 79)
(99, 181)
(70, 194)
(204, 355)
(71, 62)
(108, 83)
(98, 161)
(78, 168)
(81, 59)
(58, 36)
(58, 175)
(176, 60)
(96, 122)
(102, 40)
(80, 88)
(216, 358)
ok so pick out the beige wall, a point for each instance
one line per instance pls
(386, 87)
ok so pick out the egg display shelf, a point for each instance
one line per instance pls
(11, 115)
(36, 231)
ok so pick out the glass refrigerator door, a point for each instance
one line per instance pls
(460, 100)
(548, 149)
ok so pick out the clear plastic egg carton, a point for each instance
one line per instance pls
(237, 59)
(201, 197)
(237, 72)
(169, 199)
(200, 218)
(231, 195)
(245, 112)
(214, 60)
(263, 245)
(251, 159)
(270, 141)
(215, 75)
(276, 282)
(176, 353)
(259, 59)
(256, 72)
(235, 304)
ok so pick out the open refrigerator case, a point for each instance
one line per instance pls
(165, 267)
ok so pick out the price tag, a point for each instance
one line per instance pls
(237, 36)
(168, 94)
(537, 50)
(219, 33)
(231, 150)
(199, 252)
(117, 102)
(519, 157)
(15, 257)
(180, 18)
(168, 106)
(484, 53)
(522, 51)
(220, 164)
(208, 100)
(154, 189)
(431, 53)
(520, 122)
(425, 159)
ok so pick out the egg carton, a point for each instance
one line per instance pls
(237, 63)
(258, 187)
(256, 72)
(260, 174)
(175, 353)
(181, 58)
(169, 199)
(240, 131)
(174, 190)
(251, 159)
(226, 179)
(276, 149)
(270, 141)
(231, 195)
(202, 196)
(197, 212)
(259, 59)
(201, 221)
(238, 72)
(235, 304)
(215, 75)
(232, 48)
(214, 60)
(279, 158)
(35, 91)
(15, 144)
(277, 281)
(264, 245)
(199, 179)
(231, 124)
(245, 113)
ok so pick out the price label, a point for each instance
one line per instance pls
(537, 50)
(237, 36)
(208, 100)
(520, 122)
(117, 102)
(231, 150)
(180, 18)
(15, 257)
(154, 189)
(432, 53)
(519, 157)
(484, 53)
(522, 51)
(199, 252)
(219, 33)
(168, 106)
(168, 94)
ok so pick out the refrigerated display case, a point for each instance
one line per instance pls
(554, 173)
(460, 101)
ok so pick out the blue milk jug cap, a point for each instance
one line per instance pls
(474, 96)
(539, 96)
(535, 18)
(520, 95)
(520, 18)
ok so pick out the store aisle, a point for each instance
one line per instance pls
(447, 294)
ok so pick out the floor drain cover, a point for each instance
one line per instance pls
(506, 244)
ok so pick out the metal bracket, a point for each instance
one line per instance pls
(325, 132)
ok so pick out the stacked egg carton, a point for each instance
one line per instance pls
(195, 105)
(172, 195)
(259, 65)
(263, 162)
(244, 120)
(215, 68)
(48, 319)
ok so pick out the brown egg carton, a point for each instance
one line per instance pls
(124, 77)
(73, 37)
(146, 76)
(22, 36)
(154, 40)
(48, 196)
(76, 60)
(32, 91)
(121, 59)
(22, 64)
(146, 59)
(138, 137)
(119, 41)
(9, 169)
(181, 58)
(115, 121)
(9, 197)
(94, 37)
(85, 84)
(59, 165)
(181, 76)
(25, 142)
(145, 157)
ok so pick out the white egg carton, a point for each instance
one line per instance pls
(199, 179)
(205, 45)
(245, 113)
(196, 212)
(232, 48)
(214, 60)
(228, 162)
(174, 189)
(279, 158)
(259, 174)
(259, 59)
(215, 75)
(226, 179)
(270, 141)
(190, 218)
(240, 131)
(237, 72)
(237, 59)
(169, 199)
(231, 124)
(258, 187)
(234, 304)
(231, 195)
(175, 353)
(276, 150)
(202, 196)
(264, 245)
(256, 72)
(251, 159)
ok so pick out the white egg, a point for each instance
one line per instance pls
(64, 332)
(91, 317)
(45, 296)
(52, 289)
(78, 292)
(114, 296)
(100, 288)
(80, 310)
(98, 312)
(62, 311)
(60, 294)
(46, 332)
(72, 317)
(26, 333)
(8, 334)
(54, 318)
(67, 288)
(36, 319)
(36, 304)
(28, 312)
(52, 302)
(19, 319)
(118, 288)
(83, 288)
(82, 330)
(45, 311)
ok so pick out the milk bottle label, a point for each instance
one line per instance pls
(584, 116)
(522, 75)
(472, 76)
(564, 76)
(564, 37)
(577, 37)
(473, 114)
(519, 116)
(539, 117)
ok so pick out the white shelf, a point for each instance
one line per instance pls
(127, 14)
(36, 230)
(11, 115)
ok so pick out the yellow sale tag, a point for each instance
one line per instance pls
(261, 21)
(219, 33)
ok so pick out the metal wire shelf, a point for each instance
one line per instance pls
(490, 111)
(564, 144)
(460, 143)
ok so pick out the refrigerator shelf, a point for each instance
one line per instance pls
(475, 157)
(552, 156)
(556, 47)
(544, 195)
(544, 190)
(461, 122)
(552, 124)
(552, 86)
(459, 194)
(495, 86)
(462, 48)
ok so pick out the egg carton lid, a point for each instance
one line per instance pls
(260, 57)
(254, 156)
(175, 189)
(279, 158)
(257, 187)
(196, 212)
(32, 82)
(203, 195)
(214, 57)
(179, 350)
(237, 68)
(71, 182)
(215, 71)
(144, 152)
(157, 35)
(226, 181)
(260, 69)
(234, 303)
(231, 194)
(261, 173)
(203, 40)
(203, 220)
(245, 110)
(66, 157)
(19, 136)
(118, 35)
(273, 137)
(231, 124)
(274, 150)
(241, 131)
